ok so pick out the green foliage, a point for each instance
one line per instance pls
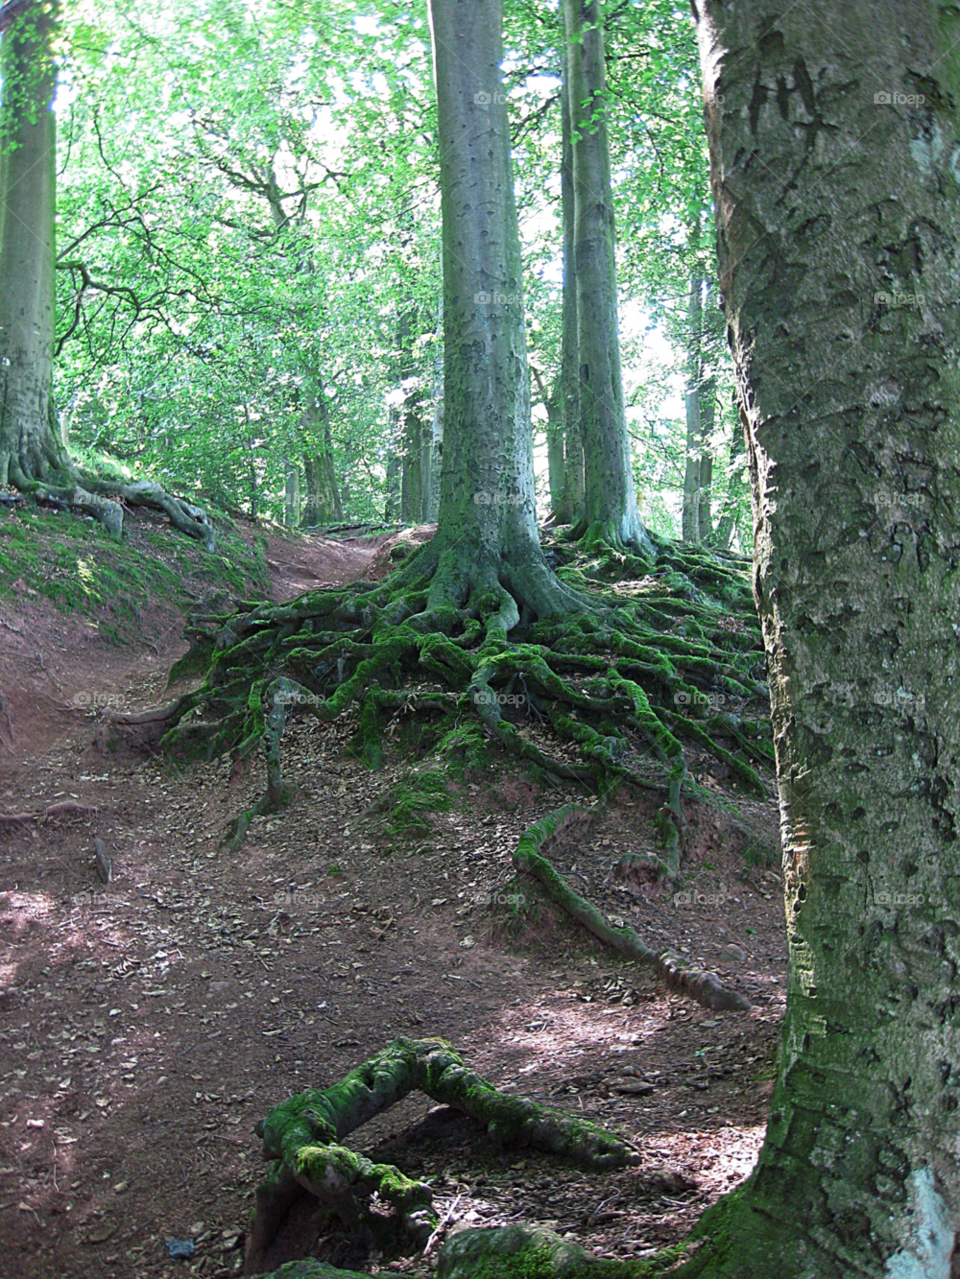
(249, 226)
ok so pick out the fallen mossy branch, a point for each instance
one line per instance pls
(303, 1134)
(705, 987)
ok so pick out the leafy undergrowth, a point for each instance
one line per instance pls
(73, 562)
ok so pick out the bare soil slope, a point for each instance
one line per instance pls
(147, 1023)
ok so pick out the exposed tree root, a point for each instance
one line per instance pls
(302, 1137)
(704, 987)
(587, 687)
(102, 499)
(66, 808)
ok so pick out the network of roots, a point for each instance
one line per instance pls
(610, 693)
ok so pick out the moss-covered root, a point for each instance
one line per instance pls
(302, 1136)
(704, 987)
(510, 1252)
(99, 498)
(311, 1269)
(533, 1252)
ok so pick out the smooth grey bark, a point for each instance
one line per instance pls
(30, 444)
(433, 436)
(727, 523)
(486, 547)
(690, 517)
(834, 141)
(291, 494)
(569, 507)
(708, 416)
(410, 425)
(411, 485)
(391, 507)
(611, 514)
(552, 401)
(555, 467)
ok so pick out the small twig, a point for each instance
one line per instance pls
(440, 1227)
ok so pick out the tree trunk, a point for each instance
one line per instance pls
(323, 504)
(486, 544)
(569, 507)
(690, 519)
(610, 500)
(433, 434)
(690, 522)
(30, 444)
(555, 468)
(252, 482)
(391, 506)
(411, 485)
(735, 491)
(552, 401)
(291, 495)
(839, 243)
(708, 417)
(410, 423)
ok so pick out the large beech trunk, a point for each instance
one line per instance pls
(832, 133)
(569, 507)
(486, 544)
(30, 444)
(610, 500)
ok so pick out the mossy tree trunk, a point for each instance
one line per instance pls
(610, 515)
(736, 490)
(690, 517)
(569, 507)
(486, 545)
(836, 184)
(708, 418)
(410, 423)
(30, 444)
(323, 504)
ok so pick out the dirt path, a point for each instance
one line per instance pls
(146, 1024)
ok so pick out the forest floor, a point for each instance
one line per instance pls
(146, 1024)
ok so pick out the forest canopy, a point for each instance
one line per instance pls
(248, 254)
